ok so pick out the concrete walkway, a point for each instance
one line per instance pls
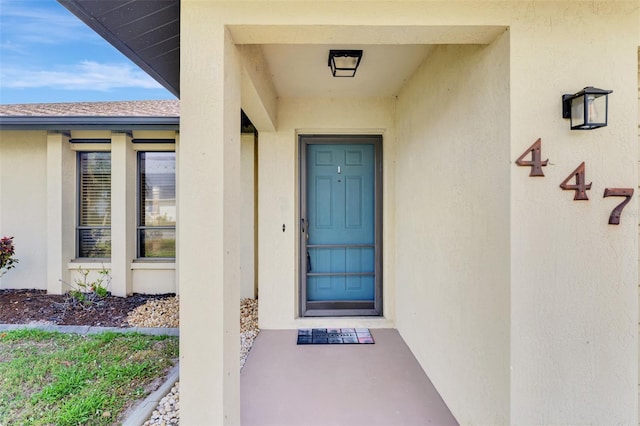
(285, 384)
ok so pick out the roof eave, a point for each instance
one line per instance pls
(74, 7)
(88, 123)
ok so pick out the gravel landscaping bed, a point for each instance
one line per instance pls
(156, 313)
(164, 313)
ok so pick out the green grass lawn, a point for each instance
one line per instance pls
(67, 379)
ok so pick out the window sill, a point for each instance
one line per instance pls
(89, 263)
(153, 264)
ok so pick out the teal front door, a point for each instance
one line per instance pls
(340, 225)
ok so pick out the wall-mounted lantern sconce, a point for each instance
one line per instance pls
(587, 109)
(344, 63)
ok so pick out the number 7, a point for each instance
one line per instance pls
(614, 217)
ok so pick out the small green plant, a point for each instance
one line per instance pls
(7, 253)
(87, 292)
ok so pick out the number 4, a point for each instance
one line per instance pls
(536, 163)
(580, 187)
(614, 217)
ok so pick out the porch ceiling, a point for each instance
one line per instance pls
(148, 33)
(301, 71)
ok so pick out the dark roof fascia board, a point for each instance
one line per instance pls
(74, 7)
(88, 123)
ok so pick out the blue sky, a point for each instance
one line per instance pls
(49, 55)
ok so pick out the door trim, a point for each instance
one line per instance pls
(338, 308)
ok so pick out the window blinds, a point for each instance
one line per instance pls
(94, 221)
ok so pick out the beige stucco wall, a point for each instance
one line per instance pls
(572, 276)
(61, 192)
(23, 205)
(123, 212)
(554, 310)
(278, 202)
(40, 183)
(452, 240)
(151, 278)
(38, 207)
(209, 220)
(549, 333)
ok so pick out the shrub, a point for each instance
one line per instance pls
(7, 253)
(85, 292)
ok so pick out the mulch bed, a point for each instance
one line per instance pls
(36, 306)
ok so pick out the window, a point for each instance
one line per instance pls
(156, 204)
(94, 221)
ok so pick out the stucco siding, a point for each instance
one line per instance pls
(453, 229)
(38, 199)
(23, 205)
(209, 220)
(560, 305)
(574, 306)
(153, 278)
(278, 202)
(520, 303)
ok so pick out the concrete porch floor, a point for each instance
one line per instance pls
(285, 384)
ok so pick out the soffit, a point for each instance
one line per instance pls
(147, 32)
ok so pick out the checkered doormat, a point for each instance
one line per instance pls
(323, 336)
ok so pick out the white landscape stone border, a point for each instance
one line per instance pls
(86, 329)
(143, 411)
(142, 414)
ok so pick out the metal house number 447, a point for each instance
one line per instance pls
(579, 185)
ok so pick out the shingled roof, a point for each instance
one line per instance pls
(161, 108)
(117, 115)
(120, 116)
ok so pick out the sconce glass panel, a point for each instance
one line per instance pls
(344, 66)
(597, 109)
(577, 112)
(587, 109)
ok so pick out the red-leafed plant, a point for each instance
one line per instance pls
(7, 253)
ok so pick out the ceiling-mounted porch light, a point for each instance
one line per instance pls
(344, 63)
(587, 109)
